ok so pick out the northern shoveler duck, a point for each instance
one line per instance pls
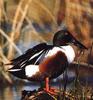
(43, 61)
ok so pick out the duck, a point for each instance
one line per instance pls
(44, 62)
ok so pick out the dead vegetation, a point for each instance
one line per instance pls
(15, 14)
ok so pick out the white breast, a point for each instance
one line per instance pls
(68, 50)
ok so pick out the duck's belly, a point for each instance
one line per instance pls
(50, 67)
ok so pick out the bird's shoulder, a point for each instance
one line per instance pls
(31, 53)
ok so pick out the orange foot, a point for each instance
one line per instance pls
(52, 91)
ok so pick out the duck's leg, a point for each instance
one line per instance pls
(47, 83)
(47, 87)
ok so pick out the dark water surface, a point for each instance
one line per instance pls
(10, 93)
(14, 92)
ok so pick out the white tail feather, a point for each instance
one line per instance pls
(14, 70)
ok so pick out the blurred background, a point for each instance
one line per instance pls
(25, 23)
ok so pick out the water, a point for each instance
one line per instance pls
(10, 93)
(14, 92)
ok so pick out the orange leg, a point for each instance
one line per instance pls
(47, 88)
(47, 83)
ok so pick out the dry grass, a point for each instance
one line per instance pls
(8, 40)
(77, 18)
(75, 13)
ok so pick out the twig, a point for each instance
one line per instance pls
(15, 27)
(83, 64)
(47, 11)
(11, 42)
(23, 15)
(4, 59)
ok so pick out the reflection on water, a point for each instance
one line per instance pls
(10, 93)
(14, 92)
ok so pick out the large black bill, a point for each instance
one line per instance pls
(76, 42)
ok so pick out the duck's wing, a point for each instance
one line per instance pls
(31, 56)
